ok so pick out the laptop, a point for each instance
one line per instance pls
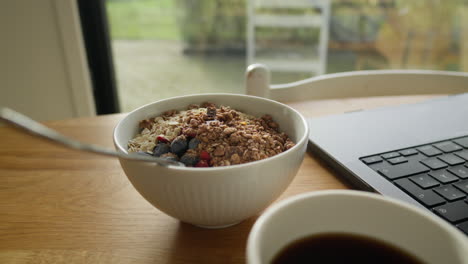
(417, 153)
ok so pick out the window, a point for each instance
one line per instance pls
(165, 48)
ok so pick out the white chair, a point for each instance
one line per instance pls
(289, 61)
(356, 84)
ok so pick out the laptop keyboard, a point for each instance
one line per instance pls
(435, 174)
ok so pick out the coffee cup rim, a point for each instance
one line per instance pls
(253, 242)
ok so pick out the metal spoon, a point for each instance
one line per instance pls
(26, 124)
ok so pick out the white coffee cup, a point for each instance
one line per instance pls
(415, 230)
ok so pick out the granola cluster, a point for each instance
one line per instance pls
(209, 135)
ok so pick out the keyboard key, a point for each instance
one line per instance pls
(397, 160)
(424, 181)
(408, 152)
(462, 142)
(390, 155)
(460, 171)
(462, 185)
(451, 159)
(447, 146)
(372, 160)
(426, 197)
(462, 154)
(463, 227)
(429, 151)
(434, 163)
(401, 170)
(443, 176)
(378, 166)
(416, 158)
(453, 212)
(449, 192)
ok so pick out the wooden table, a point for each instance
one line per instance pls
(58, 205)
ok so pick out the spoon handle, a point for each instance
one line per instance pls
(26, 124)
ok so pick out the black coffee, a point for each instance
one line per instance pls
(341, 248)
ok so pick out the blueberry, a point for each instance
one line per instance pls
(193, 143)
(179, 145)
(189, 159)
(160, 149)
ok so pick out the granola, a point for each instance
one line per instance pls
(209, 135)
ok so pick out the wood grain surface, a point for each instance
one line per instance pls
(63, 206)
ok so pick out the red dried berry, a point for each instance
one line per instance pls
(191, 135)
(162, 139)
(202, 163)
(204, 155)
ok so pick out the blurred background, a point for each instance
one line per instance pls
(74, 58)
(164, 48)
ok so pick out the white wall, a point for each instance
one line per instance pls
(43, 68)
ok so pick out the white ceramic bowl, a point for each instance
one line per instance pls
(218, 196)
(412, 229)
